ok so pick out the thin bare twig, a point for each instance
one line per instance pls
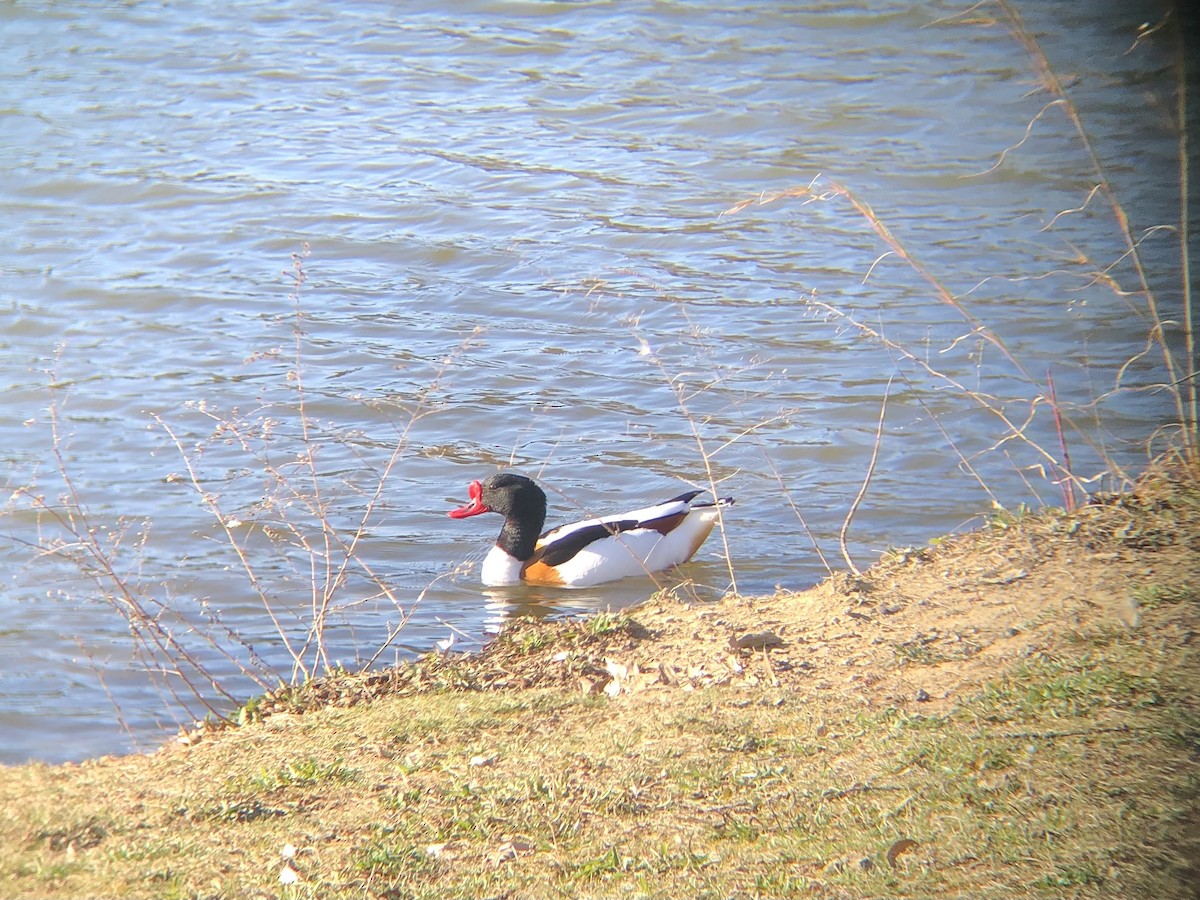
(862, 490)
(1054, 86)
(1067, 484)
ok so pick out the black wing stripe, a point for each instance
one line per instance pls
(666, 524)
(559, 551)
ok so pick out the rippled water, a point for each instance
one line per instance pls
(521, 245)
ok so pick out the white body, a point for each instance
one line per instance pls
(638, 551)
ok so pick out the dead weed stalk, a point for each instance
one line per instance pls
(1021, 416)
(297, 514)
(299, 520)
(68, 531)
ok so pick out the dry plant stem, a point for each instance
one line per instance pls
(977, 327)
(1053, 85)
(326, 579)
(809, 194)
(323, 587)
(97, 565)
(325, 591)
(681, 400)
(1014, 431)
(1067, 485)
(103, 682)
(862, 491)
(1185, 246)
(962, 460)
(706, 458)
(1024, 479)
(348, 549)
(211, 503)
(754, 430)
(299, 655)
(406, 615)
(1025, 137)
(943, 293)
(792, 503)
(418, 412)
(330, 556)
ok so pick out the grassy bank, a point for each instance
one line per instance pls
(1006, 713)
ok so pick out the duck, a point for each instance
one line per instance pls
(589, 552)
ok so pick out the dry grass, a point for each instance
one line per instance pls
(1019, 702)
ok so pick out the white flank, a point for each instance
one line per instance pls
(639, 551)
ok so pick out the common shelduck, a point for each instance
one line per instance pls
(589, 552)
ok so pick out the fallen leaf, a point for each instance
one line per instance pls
(901, 846)
(760, 640)
(626, 678)
(288, 874)
(1127, 612)
(509, 850)
(619, 673)
(444, 852)
(1006, 577)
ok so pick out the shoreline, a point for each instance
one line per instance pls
(1008, 712)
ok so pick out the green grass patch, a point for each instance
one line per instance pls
(1064, 689)
(301, 773)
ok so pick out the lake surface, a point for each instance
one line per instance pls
(273, 265)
